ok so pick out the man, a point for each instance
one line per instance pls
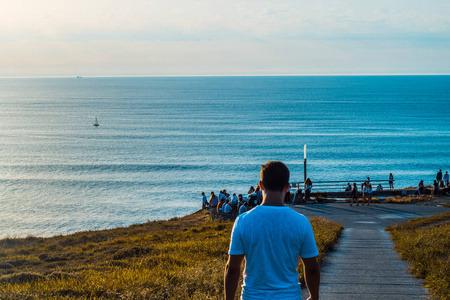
(439, 176)
(213, 201)
(446, 178)
(204, 201)
(272, 238)
(222, 195)
(227, 207)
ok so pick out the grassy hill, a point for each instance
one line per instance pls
(182, 258)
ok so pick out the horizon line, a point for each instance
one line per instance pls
(221, 75)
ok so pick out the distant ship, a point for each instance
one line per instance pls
(96, 122)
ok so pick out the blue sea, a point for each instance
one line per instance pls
(162, 141)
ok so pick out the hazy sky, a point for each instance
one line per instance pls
(215, 37)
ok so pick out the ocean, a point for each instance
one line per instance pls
(164, 140)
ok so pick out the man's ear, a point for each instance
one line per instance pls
(287, 187)
(261, 185)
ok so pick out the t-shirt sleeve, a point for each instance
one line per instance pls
(236, 245)
(309, 247)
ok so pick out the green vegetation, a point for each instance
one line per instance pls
(183, 258)
(425, 243)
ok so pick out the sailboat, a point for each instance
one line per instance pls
(96, 122)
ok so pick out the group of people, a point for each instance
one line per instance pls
(366, 190)
(441, 184)
(237, 204)
(225, 203)
(300, 197)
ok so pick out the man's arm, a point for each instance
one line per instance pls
(312, 276)
(232, 274)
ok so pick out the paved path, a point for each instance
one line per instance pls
(363, 265)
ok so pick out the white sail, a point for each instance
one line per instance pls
(96, 122)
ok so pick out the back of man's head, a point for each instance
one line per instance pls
(274, 176)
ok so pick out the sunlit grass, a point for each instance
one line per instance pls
(182, 258)
(425, 243)
(410, 199)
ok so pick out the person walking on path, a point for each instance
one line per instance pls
(364, 192)
(369, 193)
(439, 176)
(446, 178)
(354, 195)
(272, 238)
(391, 181)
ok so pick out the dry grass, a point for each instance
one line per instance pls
(410, 199)
(182, 258)
(425, 243)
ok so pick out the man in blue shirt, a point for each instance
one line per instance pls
(272, 238)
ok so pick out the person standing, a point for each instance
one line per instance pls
(354, 195)
(439, 176)
(213, 201)
(364, 192)
(272, 238)
(204, 201)
(421, 188)
(369, 193)
(391, 181)
(446, 178)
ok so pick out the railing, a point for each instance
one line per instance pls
(340, 185)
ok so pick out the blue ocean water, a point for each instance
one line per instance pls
(162, 141)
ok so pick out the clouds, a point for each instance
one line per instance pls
(242, 34)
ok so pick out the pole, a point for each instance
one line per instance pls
(304, 163)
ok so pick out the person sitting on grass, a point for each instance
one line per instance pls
(243, 208)
(298, 196)
(227, 207)
(379, 188)
(220, 205)
(308, 187)
(272, 238)
(436, 188)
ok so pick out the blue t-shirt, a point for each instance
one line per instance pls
(227, 208)
(272, 238)
(242, 209)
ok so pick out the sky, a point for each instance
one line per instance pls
(215, 37)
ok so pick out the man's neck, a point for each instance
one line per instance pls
(271, 198)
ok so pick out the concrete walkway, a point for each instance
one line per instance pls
(363, 264)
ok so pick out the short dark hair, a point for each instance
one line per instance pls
(274, 176)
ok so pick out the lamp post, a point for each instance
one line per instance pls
(304, 162)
